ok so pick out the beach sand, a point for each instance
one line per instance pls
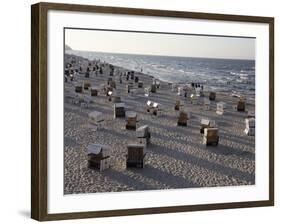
(176, 157)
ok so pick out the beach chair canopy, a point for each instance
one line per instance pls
(149, 103)
(98, 149)
(134, 146)
(205, 122)
(131, 114)
(142, 131)
(96, 116)
(119, 105)
(155, 105)
(95, 88)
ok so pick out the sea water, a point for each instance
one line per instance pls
(228, 75)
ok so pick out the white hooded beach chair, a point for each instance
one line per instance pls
(98, 156)
(97, 119)
(250, 126)
(143, 134)
(147, 91)
(131, 120)
(221, 106)
(206, 123)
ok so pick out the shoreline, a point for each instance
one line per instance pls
(230, 91)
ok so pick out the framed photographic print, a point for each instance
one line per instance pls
(140, 111)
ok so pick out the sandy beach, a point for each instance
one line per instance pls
(176, 157)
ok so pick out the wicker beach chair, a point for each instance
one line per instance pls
(97, 119)
(78, 89)
(211, 136)
(98, 156)
(183, 118)
(135, 155)
(140, 84)
(119, 110)
(153, 88)
(131, 120)
(143, 135)
(87, 85)
(250, 126)
(94, 91)
(221, 106)
(212, 96)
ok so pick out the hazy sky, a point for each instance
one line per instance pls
(161, 44)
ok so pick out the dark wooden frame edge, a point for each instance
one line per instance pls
(39, 110)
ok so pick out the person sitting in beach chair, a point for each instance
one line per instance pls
(98, 156)
(135, 155)
(211, 136)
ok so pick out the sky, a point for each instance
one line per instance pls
(161, 44)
